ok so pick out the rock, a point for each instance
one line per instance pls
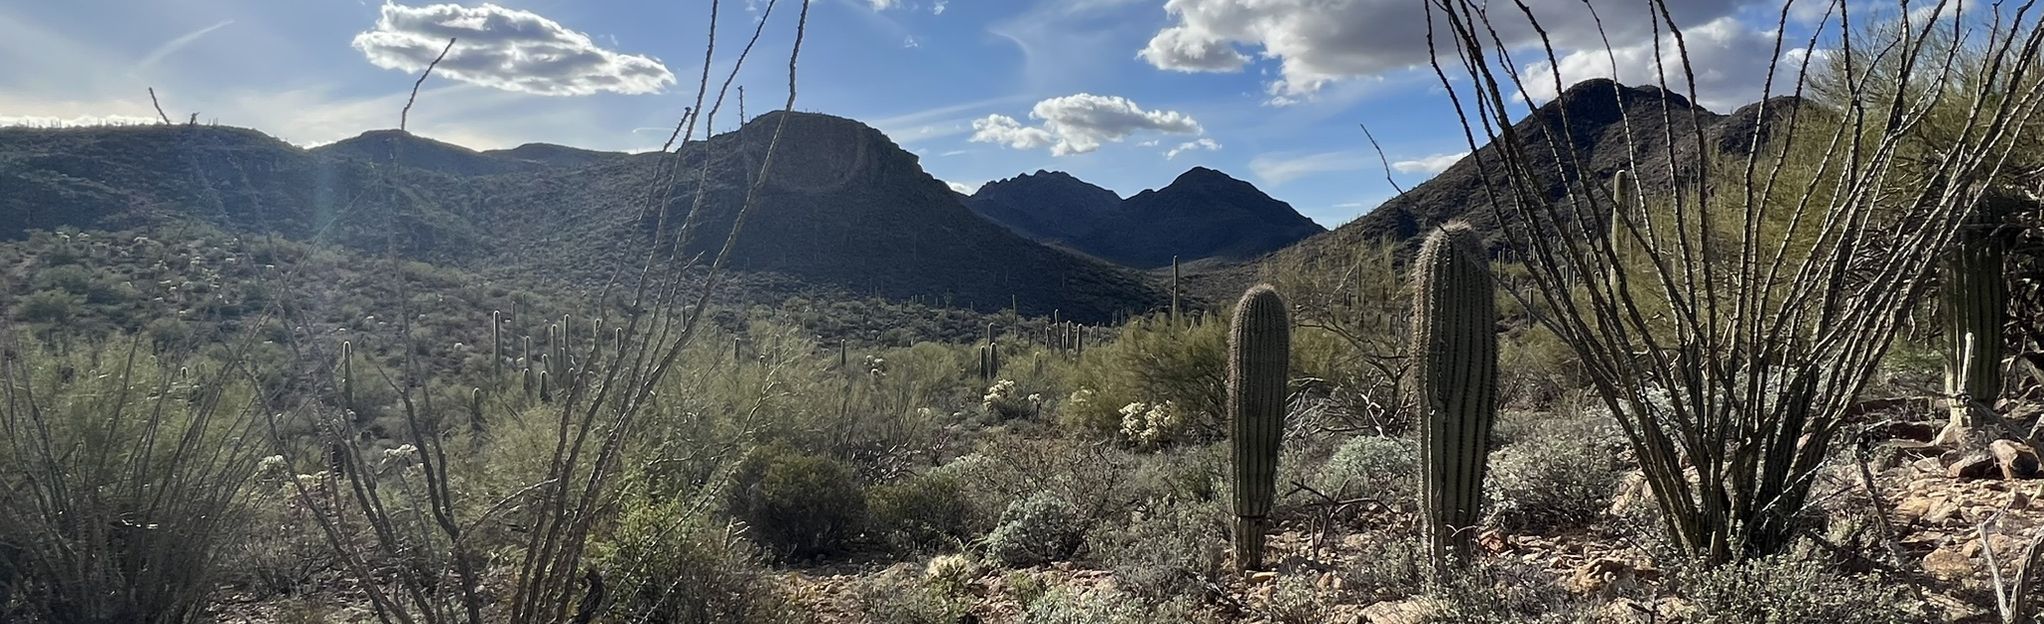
(1970, 465)
(1260, 578)
(2017, 460)
(1409, 611)
(1606, 576)
(1948, 564)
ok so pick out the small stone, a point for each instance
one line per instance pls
(1262, 577)
(1972, 465)
(2017, 460)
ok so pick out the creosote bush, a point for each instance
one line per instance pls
(798, 505)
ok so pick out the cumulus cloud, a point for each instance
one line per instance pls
(506, 49)
(1429, 164)
(1729, 57)
(962, 189)
(1077, 124)
(938, 7)
(1318, 41)
(1202, 143)
(1005, 130)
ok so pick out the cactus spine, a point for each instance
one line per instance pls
(1972, 298)
(1259, 354)
(1453, 381)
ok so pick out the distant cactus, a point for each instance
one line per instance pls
(475, 410)
(1621, 238)
(1259, 354)
(1174, 291)
(497, 344)
(990, 357)
(1973, 299)
(348, 376)
(1453, 382)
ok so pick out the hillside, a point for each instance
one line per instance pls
(844, 210)
(1048, 206)
(1203, 214)
(1606, 123)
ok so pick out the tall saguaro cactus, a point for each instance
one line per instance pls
(1453, 382)
(1259, 357)
(1174, 291)
(1973, 300)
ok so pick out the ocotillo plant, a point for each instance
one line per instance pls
(1973, 299)
(1259, 356)
(1453, 382)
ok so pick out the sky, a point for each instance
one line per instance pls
(1126, 94)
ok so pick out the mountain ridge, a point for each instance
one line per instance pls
(1202, 214)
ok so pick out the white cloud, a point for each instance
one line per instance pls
(1319, 41)
(962, 189)
(1282, 168)
(882, 5)
(938, 7)
(1730, 61)
(910, 42)
(1429, 164)
(1077, 124)
(171, 47)
(1202, 143)
(505, 49)
(1004, 130)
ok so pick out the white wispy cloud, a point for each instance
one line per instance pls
(1201, 143)
(1429, 164)
(963, 189)
(1282, 168)
(171, 47)
(507, 49)
(1077, 124)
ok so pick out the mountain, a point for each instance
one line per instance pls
(843, 209)
(1048, 206)
(421, 153)
(1202, 214)
(1602, 121)
(554, 155)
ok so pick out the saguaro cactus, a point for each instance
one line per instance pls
(1259, 356)
(1174, 291)
(1453, 383)
(1973, 300)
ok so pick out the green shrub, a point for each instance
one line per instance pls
(1787, 589)
(1379, 468)
(1067, 605)
(1170, 549)
(49, 306)
(921, 513)
(799, 506)
(1152, 362)
(901, 596)
(1035, 531)
(1557, 477)
(672, 569)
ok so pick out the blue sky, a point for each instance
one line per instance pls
(1123, 93)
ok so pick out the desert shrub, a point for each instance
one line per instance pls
(1093, 477)
(951, 574)
(922, 513)
(798, 505)
(1559, 476)
(1004, 402)
(1536, 367)
(1384, 469)
(1508, 591)
(1067, 605)
(1037, 530)
(1172, 548)
(1152, 362)
(117, 507)
(1789, 588)
(901, 596)
(1294, 600)
(669, 566)
(49, 306)
(1390, 569)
